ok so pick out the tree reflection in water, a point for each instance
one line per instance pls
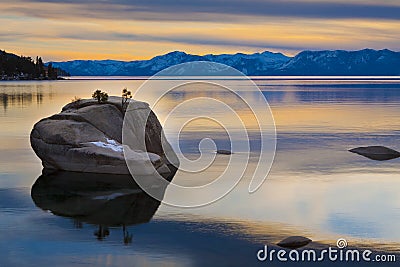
(99, 199)
(20, 98)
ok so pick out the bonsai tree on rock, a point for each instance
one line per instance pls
(100, 96)
(126, 95)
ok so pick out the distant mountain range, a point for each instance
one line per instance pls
(337, 62)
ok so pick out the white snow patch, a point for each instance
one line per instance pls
(111, 144)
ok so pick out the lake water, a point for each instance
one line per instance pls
(316, 188)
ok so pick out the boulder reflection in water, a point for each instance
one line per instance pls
(101, 199)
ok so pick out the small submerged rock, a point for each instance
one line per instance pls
(224, 152)
(294, 242)
(376, 152)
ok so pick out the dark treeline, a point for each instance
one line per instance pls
(13, 67)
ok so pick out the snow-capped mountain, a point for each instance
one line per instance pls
(252, 64)
(337, 62)
(340, 62)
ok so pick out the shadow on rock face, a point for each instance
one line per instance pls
(102, 199)
(380, 153)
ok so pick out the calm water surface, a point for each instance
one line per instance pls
(315, 188)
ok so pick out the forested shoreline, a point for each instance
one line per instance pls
(13, 67)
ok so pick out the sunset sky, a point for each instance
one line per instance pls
(141, 29)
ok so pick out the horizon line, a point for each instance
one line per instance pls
(206, 54)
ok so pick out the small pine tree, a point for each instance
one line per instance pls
(100, 96)
(42, 72)
(126, 95)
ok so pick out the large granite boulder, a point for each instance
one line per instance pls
(87, 137)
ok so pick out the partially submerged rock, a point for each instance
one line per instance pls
(224, 152)
(87, 137)
(376, 152)
(294, 242)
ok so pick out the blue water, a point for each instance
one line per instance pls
(315, 188)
